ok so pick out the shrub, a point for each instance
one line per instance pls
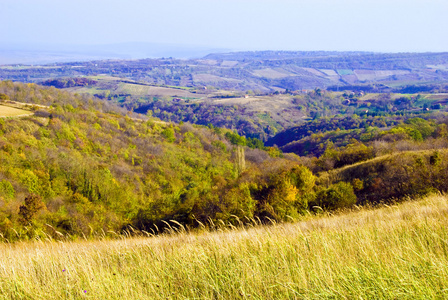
(168, 133)
(33, 203)
(236, 139)
(6, 189)
(336, 196)
(220, 145)
(285, 193)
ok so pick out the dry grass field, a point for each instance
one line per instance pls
(6, 111)
(392, 252)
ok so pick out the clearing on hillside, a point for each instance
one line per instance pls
(6, 111)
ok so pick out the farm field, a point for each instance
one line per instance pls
(117, 85)
(440, 96)
(6, 111)
(271, 73)
(143, 90)
(273, 104)
(391, 252)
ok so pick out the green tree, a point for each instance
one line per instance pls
(339, 195)
(168, 133)
(6, 189)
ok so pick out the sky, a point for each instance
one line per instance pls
(333, 25)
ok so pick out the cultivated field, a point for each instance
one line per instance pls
(117, 85)
(394, 252)
(6, 111)
(144, 90)
(271, 73)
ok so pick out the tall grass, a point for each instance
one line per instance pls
(396, 252)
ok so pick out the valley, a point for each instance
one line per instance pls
(203, 149)
(172, 174)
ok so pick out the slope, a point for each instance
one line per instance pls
(392, 252)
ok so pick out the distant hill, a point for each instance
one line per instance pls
(49, 54)
(261, 71)
(339, 60)
(280, 55)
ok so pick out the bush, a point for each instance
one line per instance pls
(168, 133)
(236, 139)
(339, 195)
(6, 189)
(33, 203)
(284, 193)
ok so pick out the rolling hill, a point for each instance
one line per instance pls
(263, 71)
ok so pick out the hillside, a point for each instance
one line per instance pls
(253, 115)
(81, 166)
(113, 204)
(393, 252)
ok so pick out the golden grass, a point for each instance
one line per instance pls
(397, 252)
(6, 111)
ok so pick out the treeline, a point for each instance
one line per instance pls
(69, 82)
(380, 164)
(328, 124)
(35, 94)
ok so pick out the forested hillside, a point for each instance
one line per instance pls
(80, 166)
(263, 115)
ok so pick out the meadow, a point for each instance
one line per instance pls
(388, 252)
(6, 111)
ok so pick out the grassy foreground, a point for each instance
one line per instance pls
(397, 252)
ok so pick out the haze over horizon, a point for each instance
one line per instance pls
(192, 28)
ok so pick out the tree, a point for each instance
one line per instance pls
(336, 196)
(33, 203)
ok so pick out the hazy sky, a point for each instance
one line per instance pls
(370, 25)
